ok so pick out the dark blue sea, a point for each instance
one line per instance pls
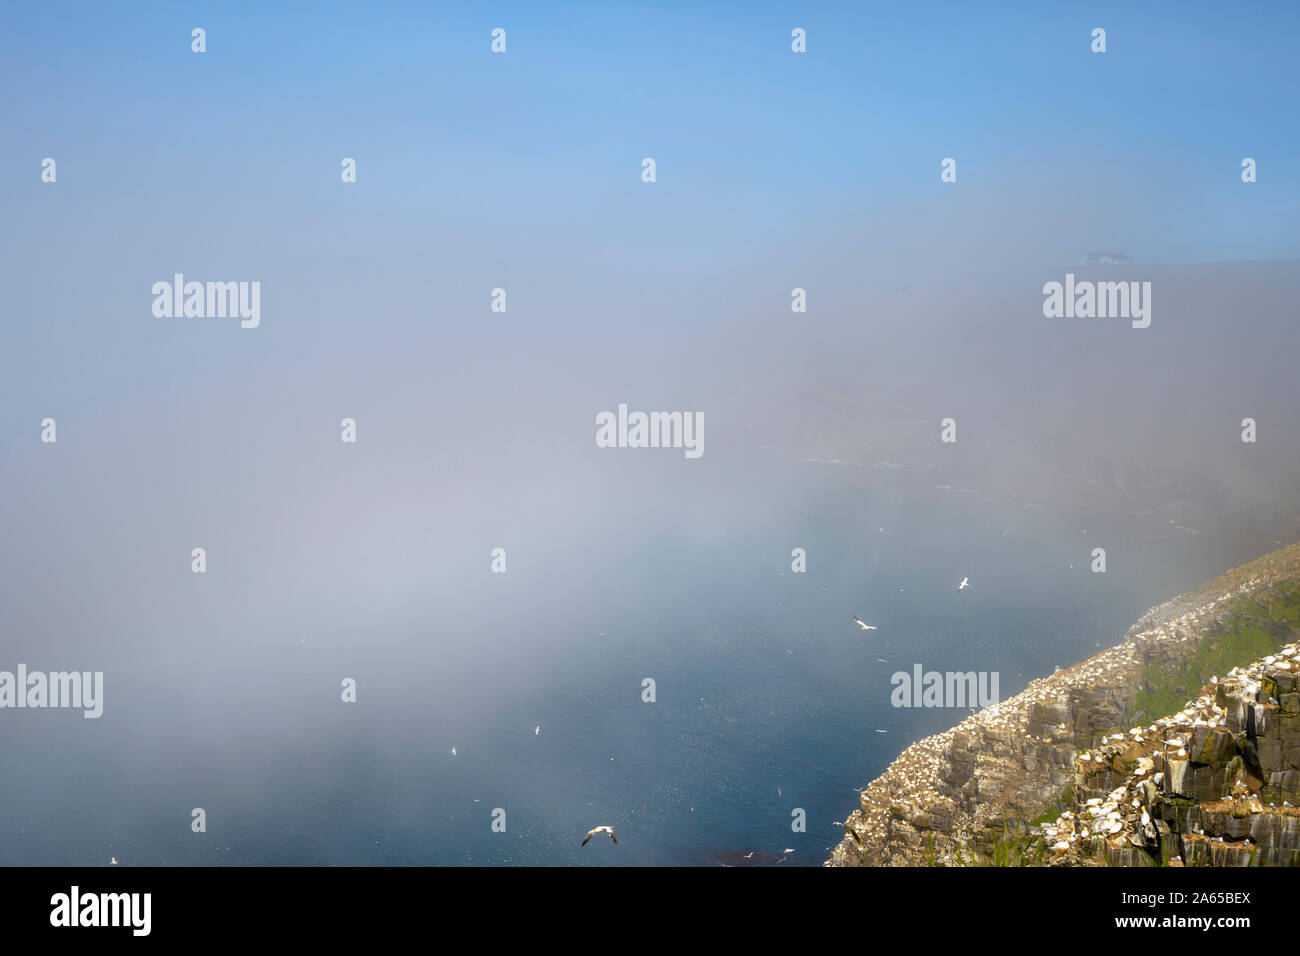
(768, 698)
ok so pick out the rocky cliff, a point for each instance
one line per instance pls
(989, 789)
(1215, 784)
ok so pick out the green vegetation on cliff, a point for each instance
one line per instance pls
(1257, 625)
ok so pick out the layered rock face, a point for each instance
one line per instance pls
(1216, 784)
(977, 788)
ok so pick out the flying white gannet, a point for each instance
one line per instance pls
(965, 583)
(537, 730)
(592, 833)
(453, 751)
(112, 860)
(866, 627)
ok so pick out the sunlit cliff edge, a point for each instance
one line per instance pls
(1153, 752)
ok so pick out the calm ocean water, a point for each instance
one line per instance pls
(768, 699)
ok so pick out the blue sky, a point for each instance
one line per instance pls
(751, 140)
(523, 171)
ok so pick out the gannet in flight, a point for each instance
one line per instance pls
(112, 860)
(592, 833)
(537, 730)
(965, 583)
(866, 627)
(453, 751)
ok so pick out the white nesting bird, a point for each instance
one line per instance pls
(965, 583)
(591, 833)
(866, 627)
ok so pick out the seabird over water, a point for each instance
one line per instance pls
(592, 833)
(965, 583)
(453, 751)
(865, 627)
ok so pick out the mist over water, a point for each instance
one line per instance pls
(763, 682)
(476, 430)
